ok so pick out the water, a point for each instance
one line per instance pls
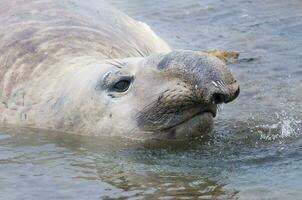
(256, 150)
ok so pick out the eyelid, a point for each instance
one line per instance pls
(102, 82)
(121, 78)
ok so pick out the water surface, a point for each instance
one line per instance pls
(256, 150)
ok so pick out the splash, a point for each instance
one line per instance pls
(285, 127)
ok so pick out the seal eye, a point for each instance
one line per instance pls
(121, 85)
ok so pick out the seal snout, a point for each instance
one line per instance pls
(223, 93)
(192, 87)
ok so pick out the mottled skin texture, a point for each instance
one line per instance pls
(60, 60)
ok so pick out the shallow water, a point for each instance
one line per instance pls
(256, 150)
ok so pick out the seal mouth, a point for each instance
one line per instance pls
(211, 111)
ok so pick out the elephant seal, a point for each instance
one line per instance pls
(87, 68)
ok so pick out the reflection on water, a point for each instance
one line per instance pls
(108, 168)
(256, 149)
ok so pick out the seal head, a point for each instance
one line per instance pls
(173, 95)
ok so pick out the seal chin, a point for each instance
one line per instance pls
(199, 125)
(209, 110)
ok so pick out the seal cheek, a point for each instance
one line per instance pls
(171, 134)
(59, 103)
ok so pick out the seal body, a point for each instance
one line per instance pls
(89, 69)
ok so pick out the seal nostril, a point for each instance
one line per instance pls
(236, 94)
(218, 98)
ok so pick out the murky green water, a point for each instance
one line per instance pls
(256, 150)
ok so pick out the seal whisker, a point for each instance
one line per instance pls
(113, 64)
(132, 131)
(221, 85)
(218, 108)
(139, 52)
(120, 62)
(117, 63)
(215, 84)
(135, 48)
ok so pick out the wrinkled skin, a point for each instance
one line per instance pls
(64, 76)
